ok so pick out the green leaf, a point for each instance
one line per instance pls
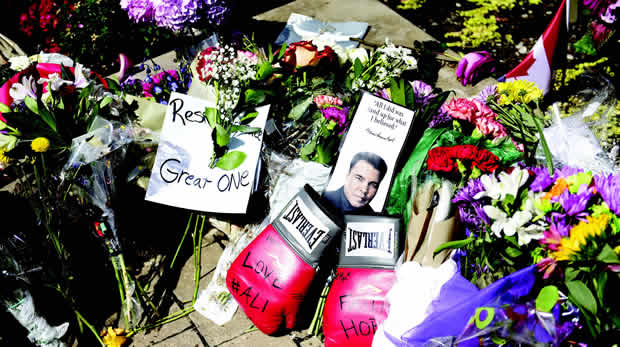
(357, 67)
(513, 252)
(543, 143)
(608, 256)
(308, 148)
(298, 111)
(244, 129)
(264, 71)
(248, 117)
(106, 101)
(282, 50)
(254, 96)
(231, 160)
(547, 298)
(222, 135)
(397, 91)
(601, 282)
(453, 245)
(211, 115)
(4, 108)
(581, 295)
(31, 104)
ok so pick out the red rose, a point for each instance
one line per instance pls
(305, 53)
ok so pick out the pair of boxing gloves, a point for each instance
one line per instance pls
(271, 276)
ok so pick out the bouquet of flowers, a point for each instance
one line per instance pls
(566, 223)
(159, 83)
(47, 108)
(230, 73)
(177, 15)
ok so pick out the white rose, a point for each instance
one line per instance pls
(359, 53)
(19, 63)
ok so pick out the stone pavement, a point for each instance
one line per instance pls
(196, 330)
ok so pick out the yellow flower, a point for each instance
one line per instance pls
(617, 249)
(579, 236)
(40, 144)
(114, 337)
(3, 158)
(518, 91)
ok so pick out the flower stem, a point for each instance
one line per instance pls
(189, 220)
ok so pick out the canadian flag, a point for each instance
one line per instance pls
(536, 67)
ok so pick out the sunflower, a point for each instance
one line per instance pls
(571, 246)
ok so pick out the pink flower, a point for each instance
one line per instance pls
(157, 77)
(253, 58)
(547, 265)
(173, 73)
(461, 108)
(599, 32)
(489, 126)
(147, 87)
(323, 101)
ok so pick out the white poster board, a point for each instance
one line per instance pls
(379, 127)
(181, 175)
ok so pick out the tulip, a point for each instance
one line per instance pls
(474, 65)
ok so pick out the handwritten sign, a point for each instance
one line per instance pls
(181, 175)
(379, 127)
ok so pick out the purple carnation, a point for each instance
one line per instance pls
(542, 179)
(337, 114)
(608, 186)
(440, 119)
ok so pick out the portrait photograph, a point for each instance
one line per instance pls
(361, 179)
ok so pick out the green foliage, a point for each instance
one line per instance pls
(585, 45)
(411, 4)
(480, 24)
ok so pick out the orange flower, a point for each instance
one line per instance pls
(558, 188)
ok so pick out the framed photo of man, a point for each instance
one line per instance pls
(363, 174)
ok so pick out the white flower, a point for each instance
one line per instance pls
(532, 232)
(54, 82)
(358, 53)
(19, 91)
(81, 73)
(502, 222)
(46, 97)
(19, 63)
(508, 184)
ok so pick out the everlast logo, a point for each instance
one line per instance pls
(309, 232)
(376, 240)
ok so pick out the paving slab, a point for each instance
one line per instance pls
(209, 256)
(258, 339)
(179, 333)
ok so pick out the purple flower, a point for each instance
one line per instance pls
(440, 119)
(608, 186)
(139, 10)
(608, 16)
(486, 93)
(384, 93)
(575, 204)
(598, 7)
(542, 179)
(474, 65)
(337, 114)
(218, 15)
(157, 90)
(467, 193)
(423, 92)
(566, 171)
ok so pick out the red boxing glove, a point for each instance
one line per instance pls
(356, 305)
(270, 278)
